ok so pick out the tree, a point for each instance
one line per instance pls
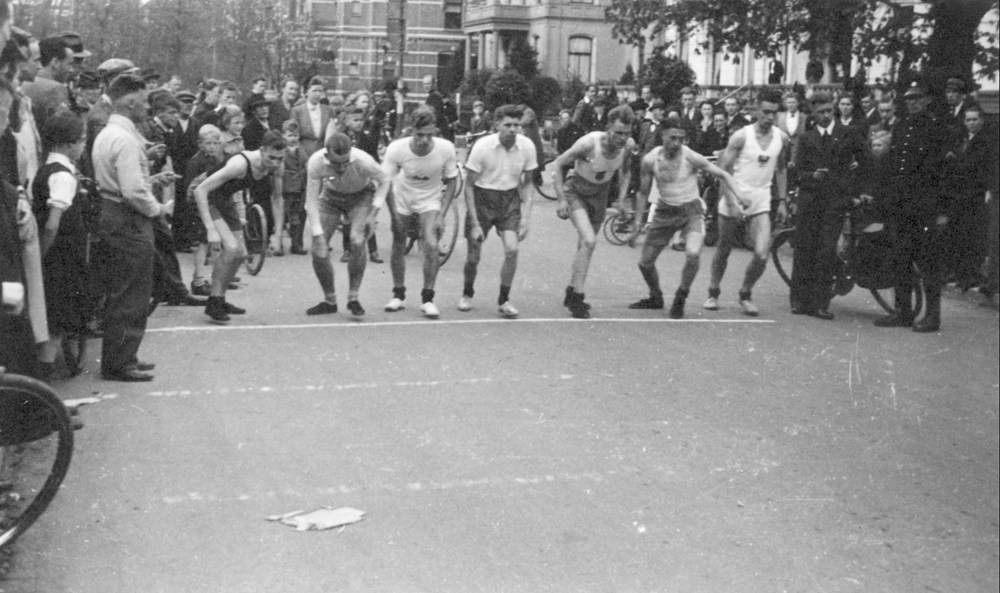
(666, 76)
(841, 30)
(523, 58)
(504, 87)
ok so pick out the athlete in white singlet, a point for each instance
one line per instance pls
(672, 169)
(583, 195)
(755, 155)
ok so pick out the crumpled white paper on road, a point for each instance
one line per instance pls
(321, 518)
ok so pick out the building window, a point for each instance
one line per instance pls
(580, 51)
(353, 69)
(452, 14)
(356, 8)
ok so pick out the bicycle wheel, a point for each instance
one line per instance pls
(446, 244)
(618, 229)
(255, 235)
(886, 297)
(544, 184)
(781, 253)
(36, 445)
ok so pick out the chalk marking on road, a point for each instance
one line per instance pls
(428, 486)
(428, 323)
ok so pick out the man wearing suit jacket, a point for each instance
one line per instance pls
(956, 105)
(734, 119)
(313, 117)
(690, 114)
(792, 122)
(826, 157)
(869, 109)
(186, 222)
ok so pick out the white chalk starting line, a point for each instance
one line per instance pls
(358, 324)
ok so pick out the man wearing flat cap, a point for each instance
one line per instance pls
(151, 77)
(955, 105)
(915, 211)
(100, 111)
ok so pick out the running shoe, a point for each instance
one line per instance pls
(430, 310)
(507, 311)
(216, 310)
(202, 289)
(749, 308)
(711, 303)
(323, 308)
(395, 305)
(233, 309)
(355, 308)
(465, 303)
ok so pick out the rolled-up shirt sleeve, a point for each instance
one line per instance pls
(121, 168)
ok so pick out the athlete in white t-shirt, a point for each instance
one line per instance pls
(756, 155)
(423, 170)
(342, 181)
(498, 194)
(672, 169)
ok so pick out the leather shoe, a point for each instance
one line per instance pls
(376, 258)
(145, 366)
(822, 314)
(129, 376)
(298, 251)
(800, 310)
(927, 326)
(894, 320)
(188, 301)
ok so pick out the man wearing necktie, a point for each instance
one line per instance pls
(825, 161)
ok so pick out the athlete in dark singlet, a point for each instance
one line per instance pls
(221, 211)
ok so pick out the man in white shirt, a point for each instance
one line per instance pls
(121, 170)
(423, 170)
(497, 194)
(342, 181)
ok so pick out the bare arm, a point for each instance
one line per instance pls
(470, 204)
(233, 169)
(700, 162)
(582, 149)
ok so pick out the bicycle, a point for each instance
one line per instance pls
(449, 236)
(544, 182)
(782, 247)
(36, 446)
(254, 235)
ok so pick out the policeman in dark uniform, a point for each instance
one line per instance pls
(915, 212)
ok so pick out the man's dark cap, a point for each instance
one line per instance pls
(638, 105)
(955, 84)
(88, 79)
(186, 96)
(115, 66)
(915, 90)
(656, 104)
(75, 44)
(148, 74)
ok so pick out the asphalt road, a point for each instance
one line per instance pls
(628, 453)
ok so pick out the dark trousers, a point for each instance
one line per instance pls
(968, 239)
(817, 227)
(919, 243)
(186, 222)
(990, 287)
(168, 285)
(295, 215)
(129, 249)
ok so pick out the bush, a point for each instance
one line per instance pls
(506, 86)
(666, 76)
(545, 93)
(474, 83)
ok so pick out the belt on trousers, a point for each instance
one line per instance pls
(113, 196)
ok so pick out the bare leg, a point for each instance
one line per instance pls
(429, 245)
(509, 267)
(229, 261)
(760, 230)
(692, 261)
(584, 248)
(727, 234)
